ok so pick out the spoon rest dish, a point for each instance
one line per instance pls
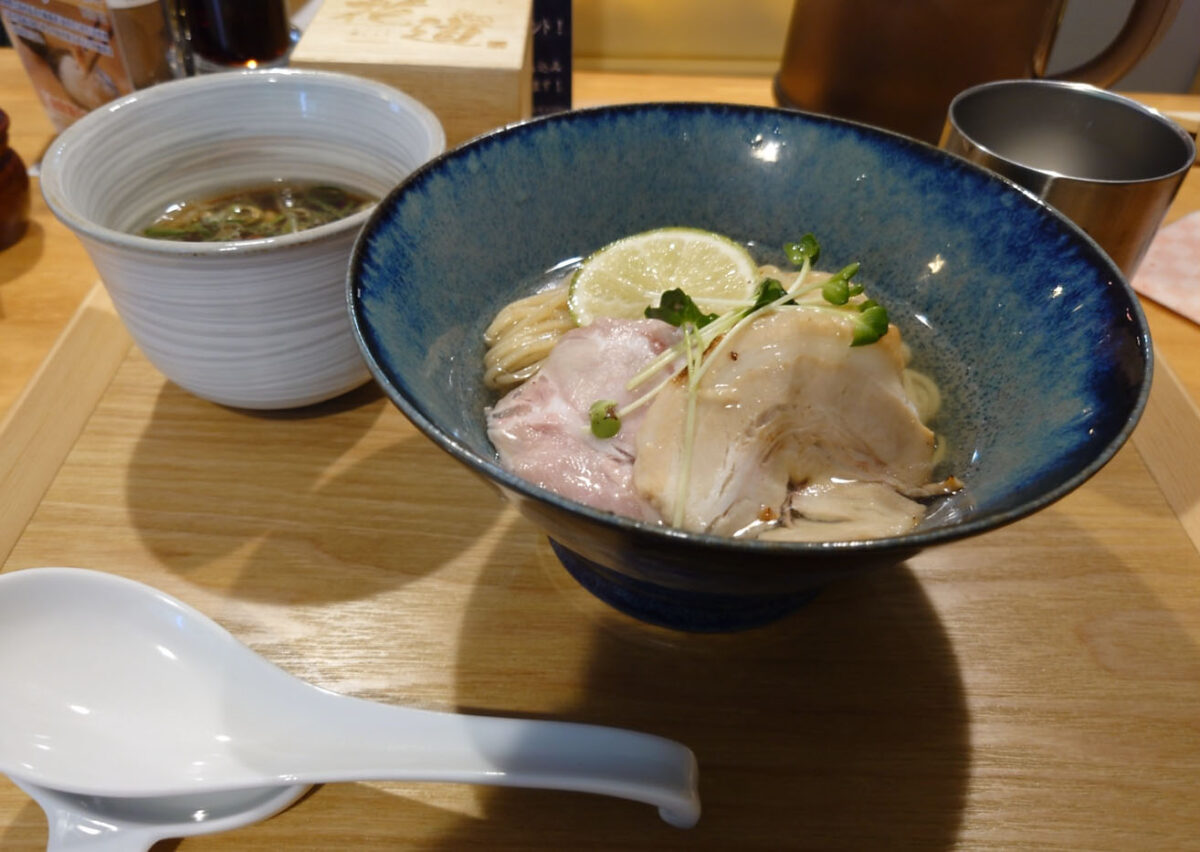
(107, 824)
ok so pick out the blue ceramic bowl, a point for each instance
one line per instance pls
(1040, 347)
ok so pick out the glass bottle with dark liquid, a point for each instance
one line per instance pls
(224, 34)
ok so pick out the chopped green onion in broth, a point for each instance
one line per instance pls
(267, 210)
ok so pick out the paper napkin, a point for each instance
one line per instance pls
(1170, 271)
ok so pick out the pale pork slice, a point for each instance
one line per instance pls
(542, 430)
(789, 409)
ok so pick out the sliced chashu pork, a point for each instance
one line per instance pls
(797, 435)
(542, 429)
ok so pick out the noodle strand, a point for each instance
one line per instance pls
(522, 335)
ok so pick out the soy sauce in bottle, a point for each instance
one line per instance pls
(236, 33)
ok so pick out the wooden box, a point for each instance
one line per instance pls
(470, 61)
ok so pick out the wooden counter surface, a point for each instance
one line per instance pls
(1035, 687)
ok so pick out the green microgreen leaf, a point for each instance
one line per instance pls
(769, 290)
(837, 290)
(603, 415)
(806, 248)
(869, 325)
(677, 308)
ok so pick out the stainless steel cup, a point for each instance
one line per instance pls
(1106, 162)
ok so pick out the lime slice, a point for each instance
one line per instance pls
(625, 277)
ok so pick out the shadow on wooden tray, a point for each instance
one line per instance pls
(319, 504)
(843, 726)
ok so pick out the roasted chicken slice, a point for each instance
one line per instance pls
(789, 407)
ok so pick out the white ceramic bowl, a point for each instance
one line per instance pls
(256, 323)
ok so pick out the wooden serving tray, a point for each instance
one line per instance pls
(1034, 687)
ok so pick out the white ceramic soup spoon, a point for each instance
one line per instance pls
(81, 823)
(115, 689)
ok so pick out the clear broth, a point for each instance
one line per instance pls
(268, 210)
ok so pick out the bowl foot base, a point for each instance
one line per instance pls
(700, 612)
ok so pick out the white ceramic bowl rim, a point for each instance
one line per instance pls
(95, 121)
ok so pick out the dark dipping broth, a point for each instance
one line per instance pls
(269, 210)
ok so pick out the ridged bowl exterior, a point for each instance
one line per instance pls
(253, 324)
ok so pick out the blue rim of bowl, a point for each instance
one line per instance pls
(225, 80)
(491, 469)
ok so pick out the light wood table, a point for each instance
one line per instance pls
(1035, 687)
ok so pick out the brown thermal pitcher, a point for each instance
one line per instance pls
(898, 63)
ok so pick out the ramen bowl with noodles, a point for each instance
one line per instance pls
(1035, 342)
(220, 212)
